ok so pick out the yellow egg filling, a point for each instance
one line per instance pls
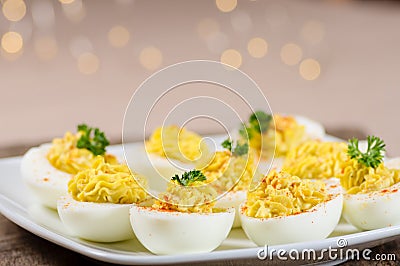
(316, 159)
(107, 183)
(176, 143)
(65, 156)
(226, 171)
(357, 178)
(281, 194)
(196, 198)
(281, 136)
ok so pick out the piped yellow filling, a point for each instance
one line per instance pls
(357, 178)
(65, 156)
(176, 143)
(107, 183)
(281, 194)
(316, 159)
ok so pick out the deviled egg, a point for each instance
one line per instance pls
(231, 172)
(97, 207)
(175, 143)
(372, 189)
(315, 159)
(286, 209)
(47, 169)
(183, 219)
(273, 136)
(170, 150)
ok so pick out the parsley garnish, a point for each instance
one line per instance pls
(260, 121)
(372, 157)
(189, 177)
(227, 144)
(245, 131)
(96, 144)
(239, 150)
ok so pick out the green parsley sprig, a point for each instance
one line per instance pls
(259, 121)
(240, 149)
(189, 177)
(96, 144)
(372, 157)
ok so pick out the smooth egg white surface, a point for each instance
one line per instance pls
(333, 186)
(99, 222)
(314, 224)
(171, 232)
(156, 169)
(392, 163)
(313, 129)
(373, 210)
(264, 166)
(232, 199)
(45, 181)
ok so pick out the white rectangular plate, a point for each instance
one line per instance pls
(18, 205)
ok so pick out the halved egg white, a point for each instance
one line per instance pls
(168, 167)
(376, 209)
(373, 210)
(314, 224)
(392, 163)
(99, 222)
(264, 166)
(232, 199)
(172, 232)
(158, 170)
(332, 186)
(45, 181)
(313, 129)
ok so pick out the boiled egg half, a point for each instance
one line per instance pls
(275, 213)
(97, 207)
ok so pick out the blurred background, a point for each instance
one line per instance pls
(71, 61)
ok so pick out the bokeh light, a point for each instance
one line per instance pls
(88, 63)
(310, 69)
(207, 27)
(226, 5)
(46, 47)
(12, 42)
(14, 10)
(291, 54)
(232, 57)
(313, 32)
(118, 36)
(151, 58)
(257, 47)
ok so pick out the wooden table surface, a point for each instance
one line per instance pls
(20, 247)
